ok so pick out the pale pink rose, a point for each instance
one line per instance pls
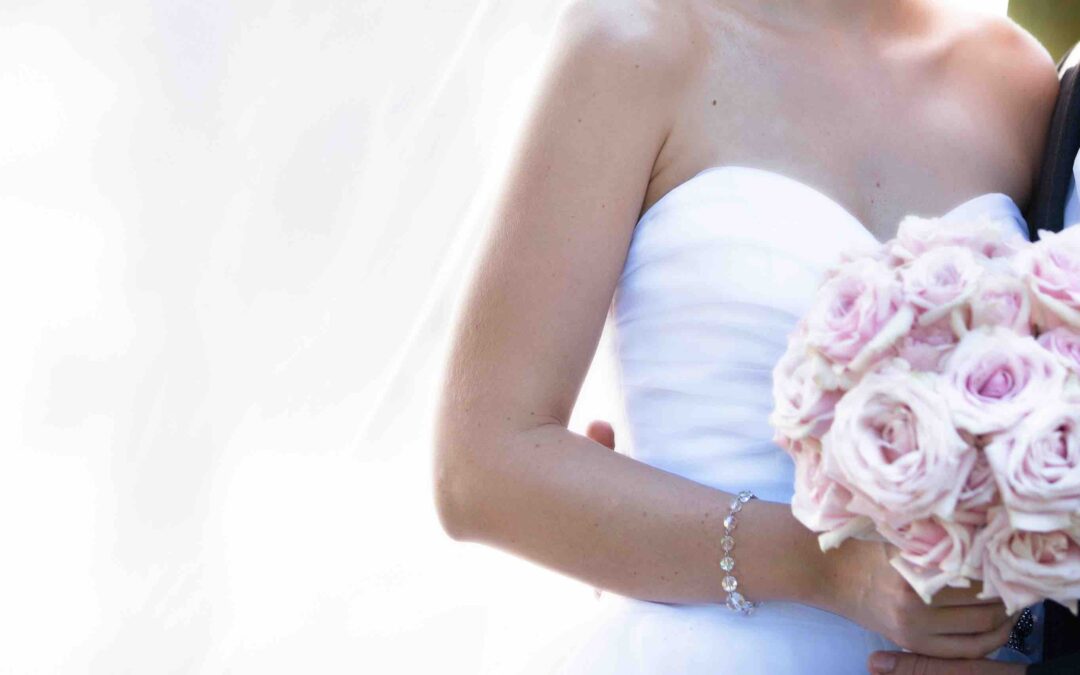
(978, 495)
(940, 281)
(1037, 468)
(858, 314)
(1065, 344)
(819, 502)
(875, 251)
(1024, 568)
(928, 347)
(932, 554)
(1001, 300)
(893, 445)
(801, 406)
(1051, 268)
(996, 377)
(1072, 389)
(993, 238)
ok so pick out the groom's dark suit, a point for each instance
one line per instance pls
(1047, 207)
(1046, 212)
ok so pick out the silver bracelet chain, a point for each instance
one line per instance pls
(735, 600)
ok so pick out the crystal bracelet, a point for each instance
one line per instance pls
(735, 600)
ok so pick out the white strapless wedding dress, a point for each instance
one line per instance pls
(718, 272)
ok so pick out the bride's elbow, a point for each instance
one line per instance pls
(456, 487)
(452, 504)
(450, 496)
(476, 465)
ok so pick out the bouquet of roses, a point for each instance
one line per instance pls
(931, 398)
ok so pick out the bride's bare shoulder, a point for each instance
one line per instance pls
(1011, 82)
(659, 32)
(1006, 58)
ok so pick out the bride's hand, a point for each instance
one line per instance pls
(861, 585)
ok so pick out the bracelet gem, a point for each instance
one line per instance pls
(735, 600)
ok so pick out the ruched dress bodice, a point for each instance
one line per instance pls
(718, 272)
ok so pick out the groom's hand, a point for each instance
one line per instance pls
(903, 663)
(601, 432)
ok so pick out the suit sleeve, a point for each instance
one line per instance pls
(1072, 201)
(1066, 665)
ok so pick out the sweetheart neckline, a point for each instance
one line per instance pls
(1009, 201)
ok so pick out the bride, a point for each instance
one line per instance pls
(701, 163)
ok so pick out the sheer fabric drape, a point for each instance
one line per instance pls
(234, 237)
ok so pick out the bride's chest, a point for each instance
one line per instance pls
(881, 149)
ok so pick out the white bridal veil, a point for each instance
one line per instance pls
(234, 233)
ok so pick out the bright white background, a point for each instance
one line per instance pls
(234, 233)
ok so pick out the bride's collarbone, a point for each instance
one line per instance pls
(876, 168)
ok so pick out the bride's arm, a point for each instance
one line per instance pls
(508, 473)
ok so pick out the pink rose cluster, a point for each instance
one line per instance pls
(931, 398)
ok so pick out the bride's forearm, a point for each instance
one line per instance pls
(570, 504)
